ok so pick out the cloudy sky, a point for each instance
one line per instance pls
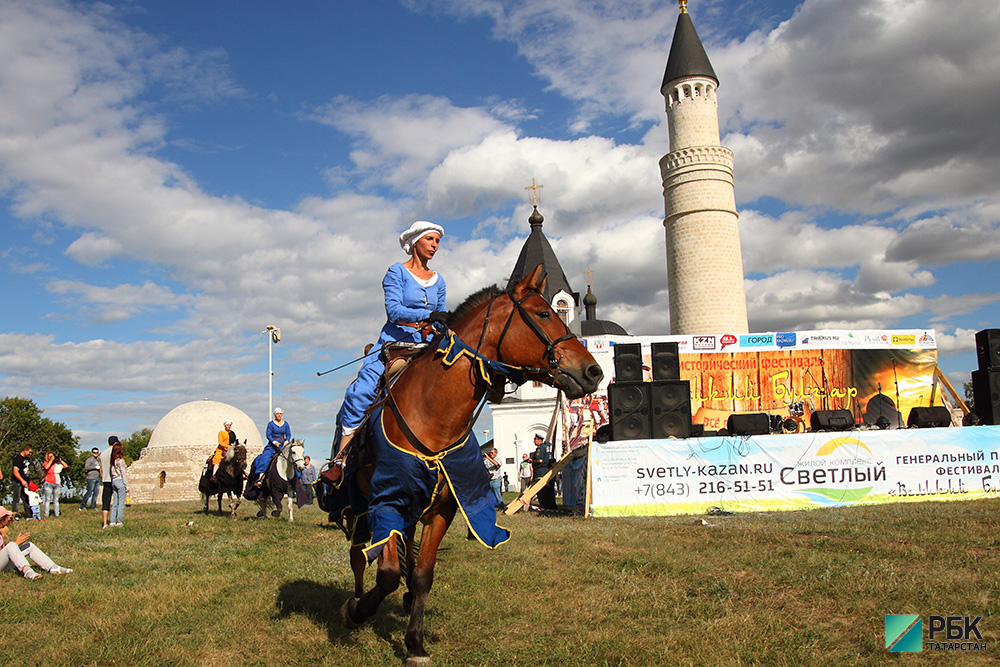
(175, 175)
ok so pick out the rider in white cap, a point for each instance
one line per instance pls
(227, 438)
(413, 293)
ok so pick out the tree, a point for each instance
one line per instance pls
(21, 425)
(970, 399)
(134, 444)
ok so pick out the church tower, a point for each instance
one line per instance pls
(704, 259)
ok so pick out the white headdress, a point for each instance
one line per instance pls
(417, 231)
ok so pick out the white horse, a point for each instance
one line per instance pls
(282, 479)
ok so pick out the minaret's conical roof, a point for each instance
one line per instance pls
(687, 55)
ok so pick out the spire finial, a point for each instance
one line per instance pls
(684, 6)
(588, 273)
(534, 198)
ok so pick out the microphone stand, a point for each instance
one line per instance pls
(899, 408)
(822, 374)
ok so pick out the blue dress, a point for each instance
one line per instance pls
(406, 302)
(276, 437)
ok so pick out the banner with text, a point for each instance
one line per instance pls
(872, 373)
(799, 471)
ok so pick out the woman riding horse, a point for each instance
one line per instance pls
(414, 294)
(278, 433)
(426, 463)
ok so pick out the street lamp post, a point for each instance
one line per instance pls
(273, 337)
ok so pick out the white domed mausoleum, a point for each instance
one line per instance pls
(170, 465)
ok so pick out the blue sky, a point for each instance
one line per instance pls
(177, 175)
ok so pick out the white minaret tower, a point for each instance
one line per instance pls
(704, 260)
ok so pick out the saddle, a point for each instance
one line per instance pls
(396, 357)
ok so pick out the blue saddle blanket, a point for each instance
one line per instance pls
(403, 487)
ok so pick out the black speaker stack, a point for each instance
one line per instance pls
(643, 410)
(986, 380)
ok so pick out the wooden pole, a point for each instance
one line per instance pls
(951, 390)
(525, 498)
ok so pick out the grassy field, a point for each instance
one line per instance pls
(783, 588)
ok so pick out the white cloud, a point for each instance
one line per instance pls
(871, 106)
(866, 106)
(400, 139)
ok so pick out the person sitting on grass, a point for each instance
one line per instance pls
(15, 553)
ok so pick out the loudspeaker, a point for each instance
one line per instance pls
(671, 406)
(666, 362)
(629, 407)
(933, 417)
(986, 394)
(748, 423)
(628, 362)
(988, 348)
(881, 412)
(831, 420)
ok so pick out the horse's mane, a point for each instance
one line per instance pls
(474, 300)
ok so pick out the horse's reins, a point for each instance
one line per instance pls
(550, 352)
(550, 345)
(288, 456)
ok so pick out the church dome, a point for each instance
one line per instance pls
(197, 424)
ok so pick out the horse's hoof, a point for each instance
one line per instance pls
(345, 613)
(276, 513)
(260, 514)
(418, 660)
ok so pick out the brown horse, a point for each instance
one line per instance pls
(433, 404)
(229, 478)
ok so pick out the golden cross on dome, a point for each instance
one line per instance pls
(588, 273)
(534, 198)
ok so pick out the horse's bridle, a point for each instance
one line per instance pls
(550, 345)
(505, 370)
(288, 456)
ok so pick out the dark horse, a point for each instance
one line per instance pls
(493, 336)
(228, 479)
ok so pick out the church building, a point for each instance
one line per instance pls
(530, 408)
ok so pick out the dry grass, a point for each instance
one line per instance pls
(792, 588)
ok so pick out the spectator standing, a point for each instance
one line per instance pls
(92, 467)
(119, 484)
(308, 478)
(541, 461)
(52, 482)
(496, 478)
(524, 472)
(107, 491)
(34, 501)
(21, 479)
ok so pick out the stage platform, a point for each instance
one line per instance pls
(793, 471)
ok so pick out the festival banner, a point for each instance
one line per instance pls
(786, 472)
(790, 375)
